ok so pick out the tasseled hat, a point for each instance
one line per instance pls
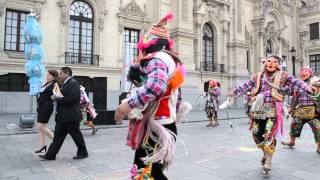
(156, 32)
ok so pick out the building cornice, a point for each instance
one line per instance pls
(182, 33)
(316, 13)
(15, 55)
(219, 2)
(258, 21)
(94, 70)
(40, 1)
(238, 45)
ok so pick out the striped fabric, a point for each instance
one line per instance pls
(215, 92)
(156, 84)
(304, 99)
(291, 83)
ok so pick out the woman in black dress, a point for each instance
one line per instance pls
(45, 109)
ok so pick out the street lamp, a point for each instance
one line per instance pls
(293, 56)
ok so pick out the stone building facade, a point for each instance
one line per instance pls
(216, 39)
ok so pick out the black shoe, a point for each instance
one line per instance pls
(40, 150)
(81, 156)
(44, 157)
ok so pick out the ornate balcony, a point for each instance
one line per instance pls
(84, 59)
(212, 67)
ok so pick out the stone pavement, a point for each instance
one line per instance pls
(194, 116)
(213, 154)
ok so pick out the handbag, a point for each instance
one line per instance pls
(138, 127)
(136, 132)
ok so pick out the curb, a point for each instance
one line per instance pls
(24, 132)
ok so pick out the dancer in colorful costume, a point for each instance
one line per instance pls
(268, 92)
(88, 113)
(152, 133)
(212, 103)
(304, 110)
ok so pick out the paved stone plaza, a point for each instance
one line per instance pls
(213, 153)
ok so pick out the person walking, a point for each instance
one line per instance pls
(67, 117)
(45, 109)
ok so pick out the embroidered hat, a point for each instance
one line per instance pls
(156, 32)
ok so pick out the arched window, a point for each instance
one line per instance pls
(80, 45)
(207, 48)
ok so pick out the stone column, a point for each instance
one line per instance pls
(258, 42)
(182, 32)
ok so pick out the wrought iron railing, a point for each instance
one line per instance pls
(86, 59)
(212, 67)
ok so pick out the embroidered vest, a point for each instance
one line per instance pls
(166, 111)
(280, 78)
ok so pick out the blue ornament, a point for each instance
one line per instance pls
(34, 68)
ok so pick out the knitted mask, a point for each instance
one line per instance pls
(272, 64)
(305, 73)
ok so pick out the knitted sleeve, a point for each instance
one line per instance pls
(297, 85)
(244, 87)
(156, 85)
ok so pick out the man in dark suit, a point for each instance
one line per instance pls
(67, 117)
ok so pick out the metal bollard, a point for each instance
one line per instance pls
(26, 121)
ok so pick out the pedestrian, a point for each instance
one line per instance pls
(67, 117)
(153, 135)
(212, 103)
(268, 92)
(45, 109)
(304, 110)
